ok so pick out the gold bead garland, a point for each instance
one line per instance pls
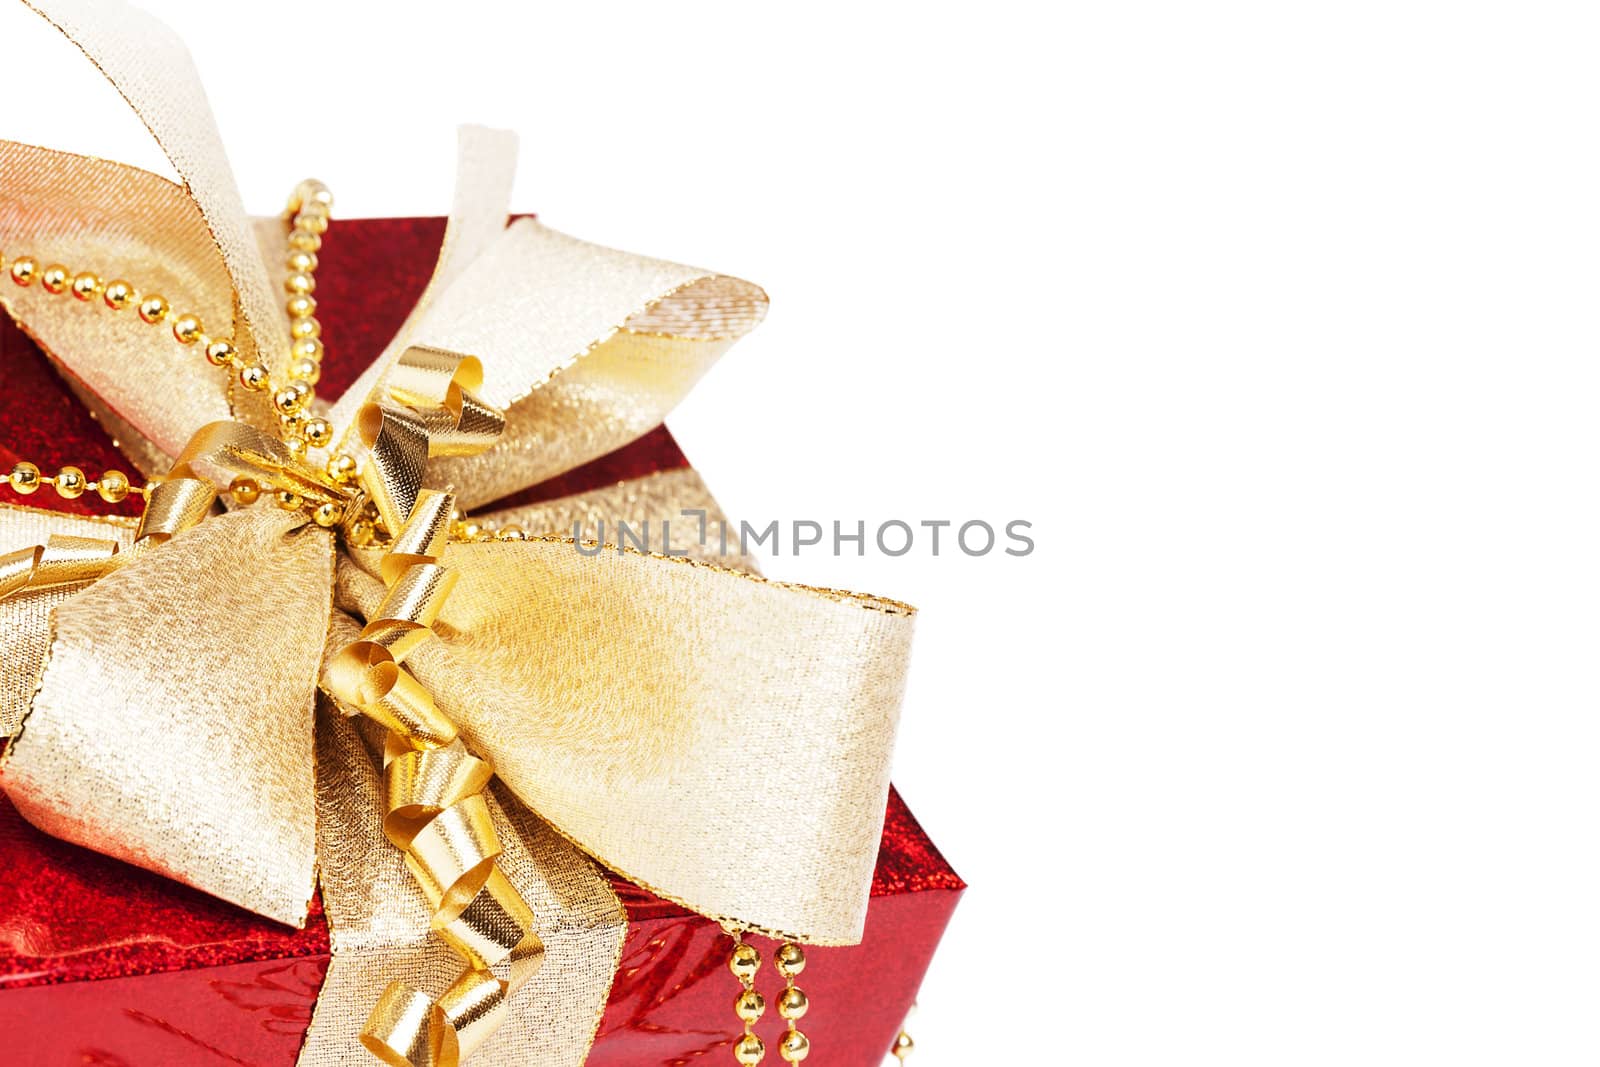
(790, 959)
(70, 483)
(745, 961)
(308, 214)
(119, 295)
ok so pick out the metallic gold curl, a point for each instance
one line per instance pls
(436, 811)
(392, 476)
(175, 505)
(407, 1028)
(434, 412)
(61, 560)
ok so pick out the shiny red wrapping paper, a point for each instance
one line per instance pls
(106, 965)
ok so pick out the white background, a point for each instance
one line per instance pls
(1277, 321)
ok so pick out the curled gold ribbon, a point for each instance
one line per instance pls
(441, 386)
(62, 560)
(436, 813)
(441, 416)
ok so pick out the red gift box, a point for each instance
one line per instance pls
(102, 963)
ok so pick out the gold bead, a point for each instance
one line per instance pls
(302, 306)
(286, 500)
(744, 962)
(299, 282)
(749, 1050)
(328, 514)
(113, 487)
(245, 491)
(291, 423)
(296, 445)
(511, 533)
(153, 309)
(749, 1006)
(318, 432)
(361, 532)
(86, 286)
(288, 400)
(25, 478)
(794, 1047)
(300, 260)
(342, 469)
(24, 271)
(303, 328)
(793, 1004)
(187, 329)
(903, 1046)
(305, 240)
(119, 295)
(55, 278)
(312, 220)
(253, 377)
(305, 370)
(219, 353)
(70, 483)
(306, 348)
(312, 191)
(790, 960)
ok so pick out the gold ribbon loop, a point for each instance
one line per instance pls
(62, 560)
(175, 505)
(441, 388)
(431, 378)
(471, 429)
(366, 676)
(407, 1029)
(392, 475)
(441, 417)
(474, 1006)
(406, 616)
(423, 537)
(454, 846)
(489, 924)
(420, 783)
(367, 672)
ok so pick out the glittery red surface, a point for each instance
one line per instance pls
(105, 964)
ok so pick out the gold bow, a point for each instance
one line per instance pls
(719, 739)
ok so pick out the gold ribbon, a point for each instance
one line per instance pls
(435, 811)
(61, 560)
(659, 715)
